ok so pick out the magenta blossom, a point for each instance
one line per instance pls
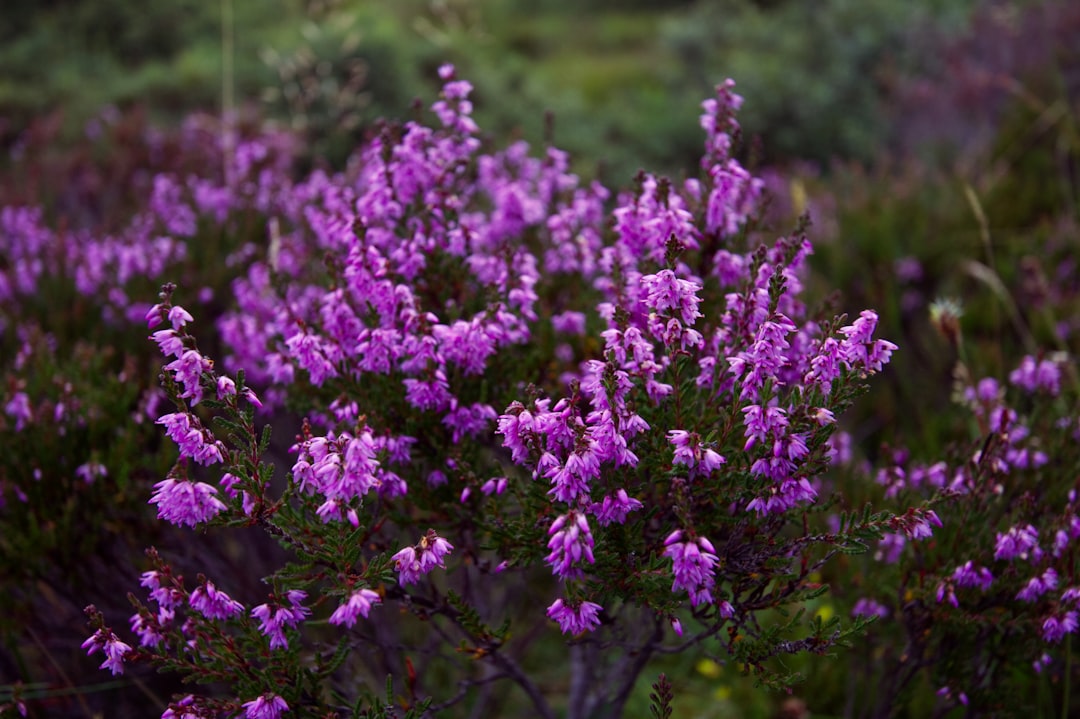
(274, 620)
(115, 650)
(571, 542)
(693, 563)
(184, 502)
(268, 706)
(416, 561)
(213, 603)
(583, 617)
(359, 603)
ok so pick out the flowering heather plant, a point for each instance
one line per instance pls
(508, 390)
(991, 599)
(79, 398)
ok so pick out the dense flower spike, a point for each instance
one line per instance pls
(693, 563)
(571, 543)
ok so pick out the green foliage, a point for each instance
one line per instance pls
(622, 80)
(661, 698)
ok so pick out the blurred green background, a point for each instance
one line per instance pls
(623, 78)
(927, 138)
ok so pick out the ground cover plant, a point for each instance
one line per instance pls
(665, 472)
(535, 440)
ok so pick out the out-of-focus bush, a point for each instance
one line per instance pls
(971, 254)
(1003, 69)
(817, 73)
(84, 238)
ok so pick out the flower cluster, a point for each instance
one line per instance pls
(414, 562)
(276, 617)
(659, 376)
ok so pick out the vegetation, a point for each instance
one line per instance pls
(119, 175)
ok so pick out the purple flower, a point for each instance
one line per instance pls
(466, 344)
(765, 358)
(1037, 586)
(178, 316)
(226, 387)
(433, 550)
(690, 452)
(571, 542)
(416, 561)
(761, 422)
(495, 485)
(275, 619)
(166, 595)
(468, 421)
(1041, 663)
(1032, 375)
(170, 342)
(890, 547)
(945, 591)
(693, 563)
(115, 650)
(734, 196)
(341, 468)
(153, 316)
(869, 608)
(783, 496)
(213, 603)
(970, 575)
(1054, 628)
(90, 471)
(571, 323)
(516, 425)
(615, 508)
(571, 480)
(359, 603)
(150, 628)
(431, 394)
(408, 566)
(917, 523)
(670, 295)
(1017, 542)
(859, 349)
(575, 619)
(191, 438)
(184, 502)
(315, 355)
(947, 692)
(19, 408)
(268, 706)
(183, 709)
(188, 369)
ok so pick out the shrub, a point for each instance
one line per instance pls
(508, 392)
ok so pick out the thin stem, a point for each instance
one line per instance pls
(511, 668)
(60, 670)
(1068, 677)
(629, 678)
(227, 87)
